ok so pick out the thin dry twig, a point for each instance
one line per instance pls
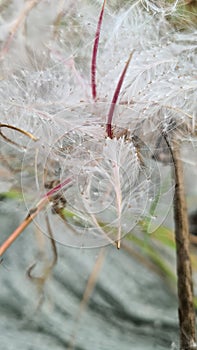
(54, 260)
(26, 133)
(40, 280)
(184, 268)
(29, 218)
(87, 293)
(31, 215)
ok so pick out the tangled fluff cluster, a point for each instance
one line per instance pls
(45, 90)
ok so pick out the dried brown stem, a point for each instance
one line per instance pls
(184, 269)
(26, 133)
(32, 214)
(87, 293)
(49, 267)
(41, 280)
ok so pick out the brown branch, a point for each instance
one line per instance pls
(26, 133)
(31, 215)
(186, 310)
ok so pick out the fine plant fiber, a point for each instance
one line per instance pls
(81, 125)
(47, 93)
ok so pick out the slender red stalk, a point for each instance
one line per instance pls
(58, 187)
(31, 215)
(94, 52)
(115, 97)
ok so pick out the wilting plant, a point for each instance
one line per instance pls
(95, 149)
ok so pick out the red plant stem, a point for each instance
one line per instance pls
(94, 52)
(31, 215)
(57, 188)
(115, 97)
